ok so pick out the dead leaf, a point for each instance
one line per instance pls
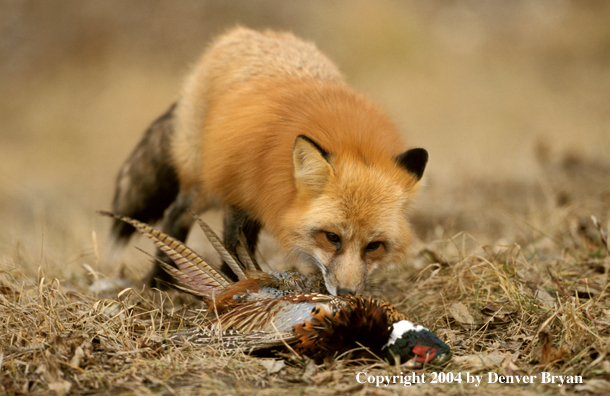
(511, 345)
(326, 376)
(78, 355)
(61, 348)
(510, 368)
(60, 387)
(330, 363)
(460, 313)
(499, 314)
(310, 369)
(448, 335)
(349, 388)
(531, 278)
(595, 386)
(321, 378)
(548, 353)
(489, 309)
(545, 300)
(272, 365)
(480, 360)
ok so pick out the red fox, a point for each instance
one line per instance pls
(267, 128)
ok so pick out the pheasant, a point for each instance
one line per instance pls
(287, 309)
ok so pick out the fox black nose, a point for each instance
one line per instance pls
(344, 290)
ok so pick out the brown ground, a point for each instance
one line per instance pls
(510, 98)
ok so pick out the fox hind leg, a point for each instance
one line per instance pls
(146, 186)
(147, 183)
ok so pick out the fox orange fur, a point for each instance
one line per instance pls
(267, 127)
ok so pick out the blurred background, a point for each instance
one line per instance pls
(499, 92)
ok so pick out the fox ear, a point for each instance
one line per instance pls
(311, 167)
(414, 161)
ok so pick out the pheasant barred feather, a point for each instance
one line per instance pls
(243, 255)
(178, 275)
(224, 253)
(192, 270)
(233, 340)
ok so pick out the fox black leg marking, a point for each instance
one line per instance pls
(147, 183)
(236, 220)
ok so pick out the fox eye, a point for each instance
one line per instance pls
(334, 239)
(371, 247)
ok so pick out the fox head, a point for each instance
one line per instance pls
(349, 215)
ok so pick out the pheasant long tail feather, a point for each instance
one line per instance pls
(217, 243)
(193, 270)
(244, 255)
(235, 340)
(190, 286)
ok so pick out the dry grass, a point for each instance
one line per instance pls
(540, 305)
(510, 100)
